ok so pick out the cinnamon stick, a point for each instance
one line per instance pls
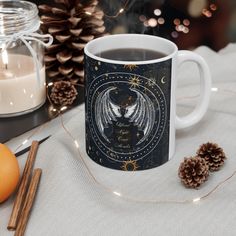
(34, 183)
(20, 197)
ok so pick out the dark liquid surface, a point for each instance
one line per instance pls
(131, 54)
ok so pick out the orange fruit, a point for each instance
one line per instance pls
(9, 172)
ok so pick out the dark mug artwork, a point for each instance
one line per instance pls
(128, 108)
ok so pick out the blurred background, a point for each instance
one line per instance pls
(188, 23)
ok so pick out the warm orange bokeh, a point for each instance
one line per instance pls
(9, 172)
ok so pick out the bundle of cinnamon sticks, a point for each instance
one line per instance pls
(26, 193)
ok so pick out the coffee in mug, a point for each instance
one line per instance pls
(131, 54)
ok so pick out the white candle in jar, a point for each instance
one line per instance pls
(20, 89)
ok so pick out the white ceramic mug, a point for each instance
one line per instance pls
(131, 105)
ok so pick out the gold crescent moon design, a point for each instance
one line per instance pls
(162, 80)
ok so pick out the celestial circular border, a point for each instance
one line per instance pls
(104, 149)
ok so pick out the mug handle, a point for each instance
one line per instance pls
(205, 89)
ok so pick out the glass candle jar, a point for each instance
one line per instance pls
(22, 70)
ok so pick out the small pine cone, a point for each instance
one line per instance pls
(193, 171)
(213, 154)
(63, 93)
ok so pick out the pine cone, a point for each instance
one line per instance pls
(193, 171)
(72, 23)
(63, 93)
(213, 155)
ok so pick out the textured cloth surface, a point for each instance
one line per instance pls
(70, 203)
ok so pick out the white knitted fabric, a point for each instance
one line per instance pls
(69, 203)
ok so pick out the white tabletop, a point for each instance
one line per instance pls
(70, 203)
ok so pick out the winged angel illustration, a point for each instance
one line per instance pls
(140, 113)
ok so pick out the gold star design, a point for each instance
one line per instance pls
(134, 82)
(129, 165)
(130, 66)
(151, 82)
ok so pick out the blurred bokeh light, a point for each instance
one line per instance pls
(189, 23)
